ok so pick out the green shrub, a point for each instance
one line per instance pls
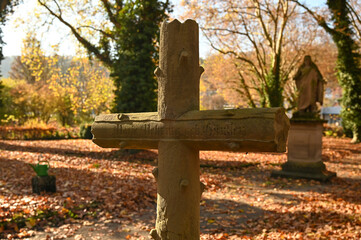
(85, 131)
(333, 131)
(347, 128)
(32, 133)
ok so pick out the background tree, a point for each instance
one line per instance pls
(73, 89)
(355, 17)
(219, 83)
(30, 97)
(28, 102)
(256, 34)
(342, 27)
(123, 36)
(82, 91)
(33, 66)
(6, 7)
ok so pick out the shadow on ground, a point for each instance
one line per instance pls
(127, 199)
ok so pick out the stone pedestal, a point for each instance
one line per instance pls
(304, 157)
(43, 184)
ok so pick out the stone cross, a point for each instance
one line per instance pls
(179, 130)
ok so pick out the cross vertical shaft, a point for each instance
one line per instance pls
(178, 163)
(179, 71)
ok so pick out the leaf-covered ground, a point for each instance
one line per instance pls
(107, 194)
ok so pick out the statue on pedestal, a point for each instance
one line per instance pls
(304, 155)
(309, 82)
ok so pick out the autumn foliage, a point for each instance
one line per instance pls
(38, 132)
(42, 88)
(109, 194)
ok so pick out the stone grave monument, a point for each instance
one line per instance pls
(304, 157)
(179, 130)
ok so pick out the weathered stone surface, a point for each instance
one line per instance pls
(178, 191)
(43, 184)
(259, 130)
(305, 141)
(304, 157)
(179, 71)
(309, 83)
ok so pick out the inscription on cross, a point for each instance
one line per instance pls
(179, 130)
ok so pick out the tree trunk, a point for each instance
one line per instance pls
(348, 66)
(275, 91)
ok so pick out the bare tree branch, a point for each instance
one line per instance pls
(111, 15)
(104, 57)
(224, 29)
(260, 19)
(246, 90)
(355, 18)
(98, 30)
(3, 4)
(319, 19)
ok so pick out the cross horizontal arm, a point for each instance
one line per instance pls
(251, 130)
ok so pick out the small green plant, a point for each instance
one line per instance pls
(96, 165)
(53, 217)
(333, 131)
(328, 133)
